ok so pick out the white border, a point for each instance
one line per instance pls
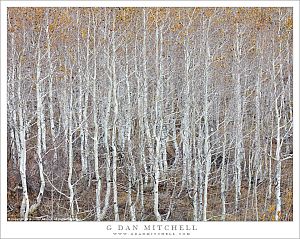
(98, 230)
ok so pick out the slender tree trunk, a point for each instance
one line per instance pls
(142, 163)
(196, 189)
(41, 129)
(86, 101)
(115, 119)
(257, 155)
(81, 111)
(20, 129)
(278, 164)
(207, 144)
(200, 170)
(24, 210)
(279, 99)
(207, 154)
(186, 177)
(130, 202)
(25, 201)
(96, 131)
(238, 120)
(105, 134)
(51, 111)
(132, 175)
(145, 99)
(223, 174)
(70, 152)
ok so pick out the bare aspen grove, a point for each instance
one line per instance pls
(150, 114)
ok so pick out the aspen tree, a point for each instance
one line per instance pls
(40, 125)
(96, 126)
(115, 118)
(238, 118)
(105, 123)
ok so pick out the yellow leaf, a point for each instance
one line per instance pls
(83, 33)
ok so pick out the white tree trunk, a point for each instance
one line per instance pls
(257, 154)
(278, 167)
(41, 129)
(223, 174)
(114, 126)
(238, 119)
(186, 176)
(207, 144)
(81, 110)
(196, 190)
(51, 110)
(24, 210)
(69, 122)
(106, 135)
(96, 131)
(86, 101)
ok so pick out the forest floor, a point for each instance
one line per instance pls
(182, 208)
